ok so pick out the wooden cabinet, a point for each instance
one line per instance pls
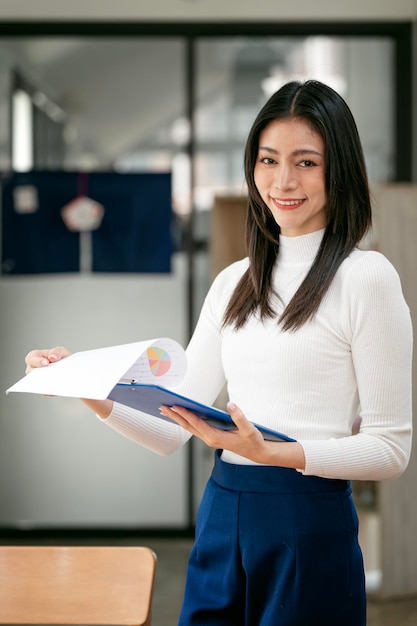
(395, 228)
(227, 242)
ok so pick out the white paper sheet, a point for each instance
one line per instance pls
(93, 373)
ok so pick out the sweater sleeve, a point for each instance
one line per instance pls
(380, 332)
(152, 433)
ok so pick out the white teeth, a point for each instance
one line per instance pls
(288, 202)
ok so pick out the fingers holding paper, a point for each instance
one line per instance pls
(41, 358)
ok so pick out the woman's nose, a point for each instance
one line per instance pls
(285, 178)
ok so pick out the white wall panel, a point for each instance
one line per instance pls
(59, 465)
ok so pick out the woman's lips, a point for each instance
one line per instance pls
(288, 205)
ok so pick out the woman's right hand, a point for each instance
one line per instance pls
(41, 358)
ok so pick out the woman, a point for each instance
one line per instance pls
(309, 333)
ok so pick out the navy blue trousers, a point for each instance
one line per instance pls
(274, 548)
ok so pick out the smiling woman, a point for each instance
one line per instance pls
(308, 332)
(316, 113)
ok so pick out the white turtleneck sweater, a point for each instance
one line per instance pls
(353, 359)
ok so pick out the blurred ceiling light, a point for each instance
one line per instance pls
(317, 60)
(46, 105)
(278, 78)
(22, 132)
(180, 131)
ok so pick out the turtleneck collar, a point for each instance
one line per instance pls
(299, 249)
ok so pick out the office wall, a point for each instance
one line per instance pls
(60, 466)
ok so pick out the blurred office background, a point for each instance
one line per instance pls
(166, 91)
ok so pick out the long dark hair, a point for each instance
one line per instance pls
(348, 206)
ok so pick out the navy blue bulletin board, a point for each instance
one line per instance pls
(135, 234)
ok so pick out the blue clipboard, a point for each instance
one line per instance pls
(148, 398)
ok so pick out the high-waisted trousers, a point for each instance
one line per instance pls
(274, 548)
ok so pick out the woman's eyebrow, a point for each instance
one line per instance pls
(298, 152)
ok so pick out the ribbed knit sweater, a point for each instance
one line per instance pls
(353, 359)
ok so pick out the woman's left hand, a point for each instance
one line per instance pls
(246, 440)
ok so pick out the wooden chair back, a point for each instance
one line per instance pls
(76, 585)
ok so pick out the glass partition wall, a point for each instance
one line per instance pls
(235, 76)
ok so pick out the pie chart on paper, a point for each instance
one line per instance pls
(159, 361)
